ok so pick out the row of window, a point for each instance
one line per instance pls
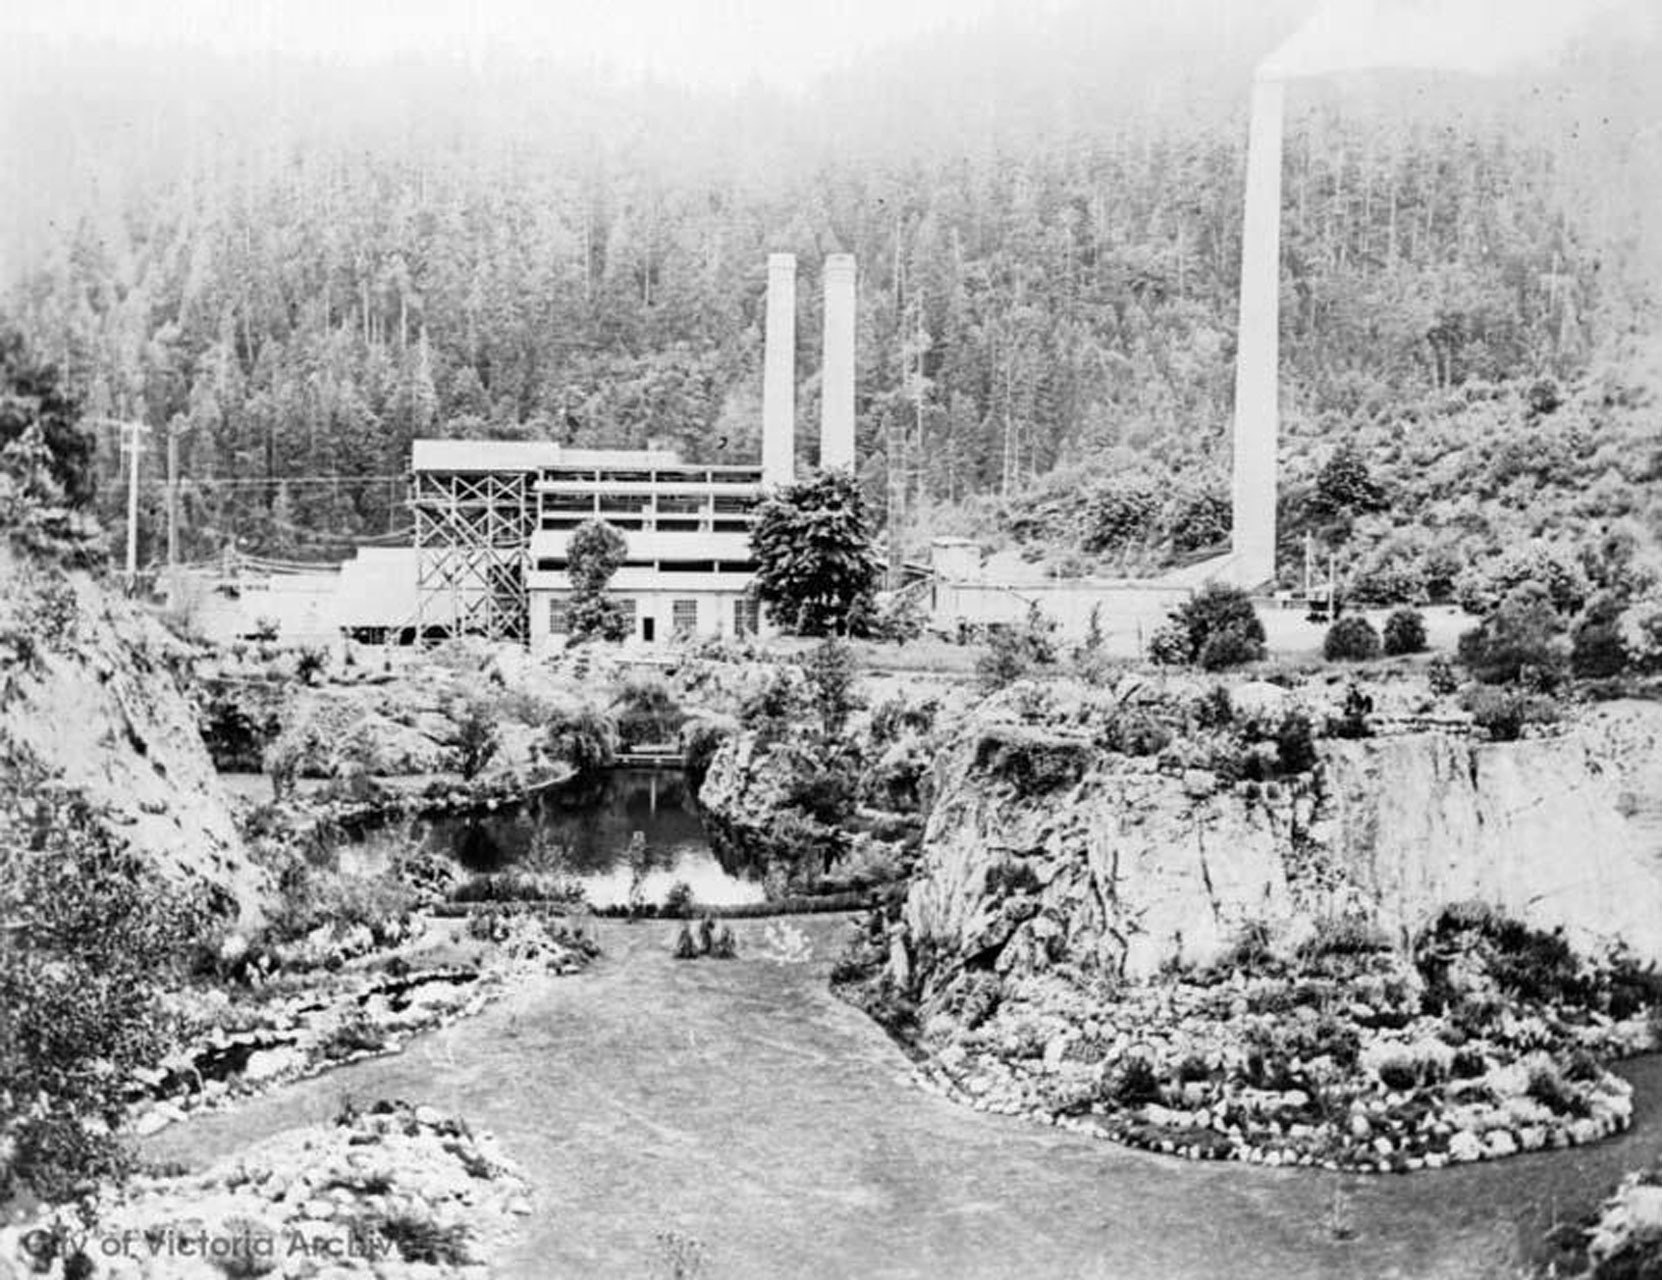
(559, 564)
(662, 524)
(683, 617)
(649, 503)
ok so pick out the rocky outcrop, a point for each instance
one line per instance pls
(87, 690)
(1536, 828)
(397, 1190)
(1137, 862)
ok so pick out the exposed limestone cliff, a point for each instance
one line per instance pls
(1135, 862)
(87, 689)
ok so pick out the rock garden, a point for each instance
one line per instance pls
(390, 1191)
(1489, 1039)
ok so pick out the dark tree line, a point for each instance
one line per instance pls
(1048, 285)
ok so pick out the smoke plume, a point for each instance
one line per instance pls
(1484, 37)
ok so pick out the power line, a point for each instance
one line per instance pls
(261, 483)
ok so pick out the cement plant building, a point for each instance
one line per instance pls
(493, 518)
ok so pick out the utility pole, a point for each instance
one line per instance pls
(176, 428)
(132, 432)
(135, 446)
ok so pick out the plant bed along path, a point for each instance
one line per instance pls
(743, 1105)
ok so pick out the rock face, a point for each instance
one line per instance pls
(1135, 864)
(1536, 828)
(90, 694)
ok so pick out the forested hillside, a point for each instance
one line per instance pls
(297, 273)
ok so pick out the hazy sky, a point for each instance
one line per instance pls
(707, 42)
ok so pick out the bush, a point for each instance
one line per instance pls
(1404, 632)
(645, 712)
(80, 979)
(1032, 763)
(1547, 1088)
(1442, 676)
(700, 740)
(1504, 713)
(1006, 660)
(1522, 632)
(1295, 743)
(1169, 645)
(1597, 650)
(1352, 720)
(1229, 648)
(679, 900)
(1223, 628)
(1351, 639)
(309, 665)
(1121, 513)
(585, 739)
(477, 741)
(1135, 1084)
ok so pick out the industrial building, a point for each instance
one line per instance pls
(493, 518)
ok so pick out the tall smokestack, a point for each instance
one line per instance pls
(836, 408)
(779, 373)
(1257, 349)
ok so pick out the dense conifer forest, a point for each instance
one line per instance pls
(296, 271)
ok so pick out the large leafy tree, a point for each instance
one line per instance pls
(593, 555)
(816, 563)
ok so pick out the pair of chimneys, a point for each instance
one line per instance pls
(836, 418)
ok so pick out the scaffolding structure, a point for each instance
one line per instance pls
(472, 534)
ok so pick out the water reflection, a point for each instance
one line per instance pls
(584, 833)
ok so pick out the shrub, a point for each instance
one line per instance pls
(1222, 626)
(679, 900)
(97, 936)
(1135, 1084)
(1442, 676)
(1404, 632)
(1399, 1074)
(1033, 763)
(1169, 645)
(1295, 743)
(774, 707)
(1352, 720)
(1007, 659)
(1121, 513)
(1345, 936)
(899, 618)
(309, 664)
(1522, 632)
(1597, 650)
(700, 740)
(477, 740)
(585, 739)
(421, 1240)
(1229, 648)
(646, 712)
(1504, 713)
(1550, 1091)
(1482, 589)
(1351, 639)
(831, 676)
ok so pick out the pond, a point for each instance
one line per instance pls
(584, 833)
